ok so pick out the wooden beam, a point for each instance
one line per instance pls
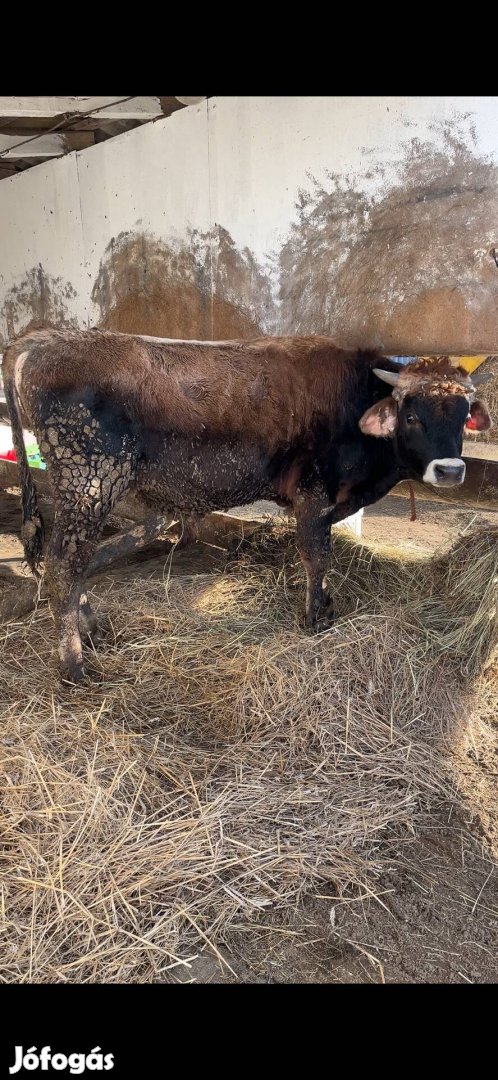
(9, 477)
(19, 593)
(480, 490)
(153, 527)
(213, 528)
(44, 145)
(137, 108)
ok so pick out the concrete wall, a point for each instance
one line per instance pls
(371, 219)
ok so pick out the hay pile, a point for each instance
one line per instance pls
(224, 762)
(489, 393)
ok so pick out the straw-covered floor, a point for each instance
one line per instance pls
(222, 761)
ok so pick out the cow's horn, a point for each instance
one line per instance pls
(483, 377)
(390, 377)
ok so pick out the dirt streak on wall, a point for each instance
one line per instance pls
(409, 271)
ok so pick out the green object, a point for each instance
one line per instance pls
(34, 457)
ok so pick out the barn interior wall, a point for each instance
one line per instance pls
(373, 220)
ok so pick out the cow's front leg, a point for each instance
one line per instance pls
(313, 541)
(189, 532)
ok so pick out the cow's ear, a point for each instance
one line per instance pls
(381, 420)
(479, 418)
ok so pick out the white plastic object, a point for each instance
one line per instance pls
(353, 522)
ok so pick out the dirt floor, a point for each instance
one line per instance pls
(435, 918)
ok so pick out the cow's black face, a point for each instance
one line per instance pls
(429, 438)
(427, 430)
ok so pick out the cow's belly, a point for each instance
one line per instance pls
(201, 477)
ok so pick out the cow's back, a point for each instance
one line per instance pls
(267, 388)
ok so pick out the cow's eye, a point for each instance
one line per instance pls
(411, 418)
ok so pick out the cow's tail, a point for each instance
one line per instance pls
(32, 530)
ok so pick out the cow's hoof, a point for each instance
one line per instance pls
(326, 617)
(321, 620)
(92, 637)
(324, 623)
(98, 633)
(72, 673)
(185, 539)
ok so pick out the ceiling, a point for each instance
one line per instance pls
(36, 129)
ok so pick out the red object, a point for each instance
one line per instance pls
(471, 424)
(10, 455)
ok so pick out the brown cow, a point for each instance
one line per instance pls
(202, 426)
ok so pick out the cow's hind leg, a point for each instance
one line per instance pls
(66, 566)
(71, 555)
(90, 462)
(89, 627)
(188, 532)
(82, 508)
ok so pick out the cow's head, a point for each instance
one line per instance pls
(431, 406)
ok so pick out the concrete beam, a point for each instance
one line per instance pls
(44, 145)
(137, 108)
(190, 100)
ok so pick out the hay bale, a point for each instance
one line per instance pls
(224, 762)
(489, 393)
(17, 596)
